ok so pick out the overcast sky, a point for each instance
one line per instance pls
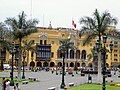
(59, 12)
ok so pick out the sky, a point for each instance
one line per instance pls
(59, 12)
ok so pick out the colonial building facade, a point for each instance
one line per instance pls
(47, 52)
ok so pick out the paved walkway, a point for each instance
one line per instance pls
(47, 80)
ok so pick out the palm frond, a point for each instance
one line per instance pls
(89, 38)
(96, 26)
(21, 27)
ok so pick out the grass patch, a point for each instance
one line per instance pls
(93, 87)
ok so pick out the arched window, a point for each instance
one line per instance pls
(45, 64)
(32, 64)
(71, 54)
(83, 64)
(90, 65)
(59, 64)
(52, 64)
(83, 56)
(71, 64)
(39, 64)
(78, 54)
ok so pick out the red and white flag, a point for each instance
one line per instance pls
(73, 23)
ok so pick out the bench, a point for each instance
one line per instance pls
(51, 88)
(109, 75)
(32, 79)
(24, 82)
(82, 74)
(71, 84)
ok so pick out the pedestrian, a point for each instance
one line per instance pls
(14, 88)
(3, 83)
(7, 84)
(52, 70)
(17, 88)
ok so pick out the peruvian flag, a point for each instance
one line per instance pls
(73, 23)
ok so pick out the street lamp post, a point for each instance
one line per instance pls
(111, 49)
(13, 50)
(24, 56)
(63, 71)
(103, 51)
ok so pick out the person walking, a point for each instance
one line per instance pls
(17, 88)
(14, 88)
(7, 84)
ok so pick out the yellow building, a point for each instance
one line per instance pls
(48, 54)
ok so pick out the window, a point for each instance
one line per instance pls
(115, 60)
(115, 55)
(45, 42)
(115, 50)
(106, 56)
(52, 54)
(40, 42)
(32, 54)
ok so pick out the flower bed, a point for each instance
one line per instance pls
(114, 84)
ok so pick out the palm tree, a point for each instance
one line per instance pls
(96, 27)
(21, 28)
(4, 38)
(65, 45)
(28, 46)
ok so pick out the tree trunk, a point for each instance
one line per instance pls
(99, 68)
(19, 60)
(99, 60)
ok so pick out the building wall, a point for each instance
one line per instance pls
(52, 36)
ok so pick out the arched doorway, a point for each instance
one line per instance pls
(52, 64)
(25, 63)
(90, 65)
(32, 64)
(78, 64)
(71, 64)
(83, 64)
(45, 64)
(39, 64)
(59, 64)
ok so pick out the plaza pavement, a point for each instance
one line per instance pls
(47, 80)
